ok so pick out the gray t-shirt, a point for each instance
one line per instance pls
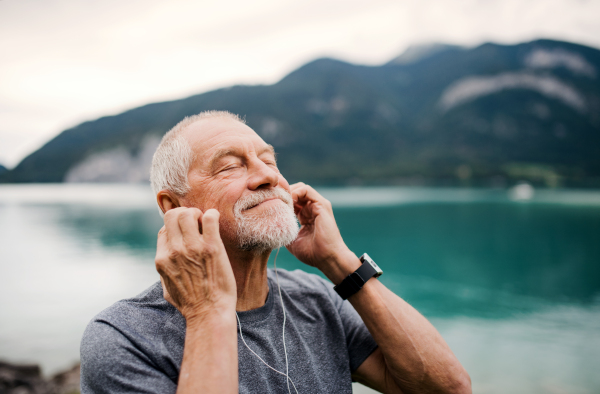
(136, 345)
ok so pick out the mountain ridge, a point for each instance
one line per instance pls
(490, 115)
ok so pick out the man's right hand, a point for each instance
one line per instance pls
(193, 264)
(195, 270)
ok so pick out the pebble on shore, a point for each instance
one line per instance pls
(28, 379)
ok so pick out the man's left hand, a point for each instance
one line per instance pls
(412, 356)
(319, 243)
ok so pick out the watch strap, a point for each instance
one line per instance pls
(355, 281)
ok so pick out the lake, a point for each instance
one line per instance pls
(512, 281)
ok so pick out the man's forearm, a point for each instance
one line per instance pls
(411, 350)
(415, 354)
(210, 359)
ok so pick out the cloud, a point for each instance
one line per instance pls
(65, 61)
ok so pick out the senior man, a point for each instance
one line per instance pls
(221, 322)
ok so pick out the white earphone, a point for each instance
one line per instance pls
(286, 374)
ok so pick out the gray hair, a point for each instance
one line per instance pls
(174, 156)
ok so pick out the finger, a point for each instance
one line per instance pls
(298, 206)
(307, 213)
(189, 225)
(297, 185)
(162, 252)
(174, 236)
(162, 242)
(166, 294)
(304, 193)
(210, 226)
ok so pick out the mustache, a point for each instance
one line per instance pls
(258, 197)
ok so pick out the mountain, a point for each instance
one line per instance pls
(2, 169)
(490, 115)
(415, 53)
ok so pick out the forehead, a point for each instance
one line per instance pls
(207, 136)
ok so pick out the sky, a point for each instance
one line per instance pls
(63, 62)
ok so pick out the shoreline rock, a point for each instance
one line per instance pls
(28, 379)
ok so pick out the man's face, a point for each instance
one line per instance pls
(233, 165)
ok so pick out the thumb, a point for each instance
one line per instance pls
(210, 225)
(292, 248)
(162, 243)
(166, 294)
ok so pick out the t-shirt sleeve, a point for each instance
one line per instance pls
(359, 341)
(111, 363)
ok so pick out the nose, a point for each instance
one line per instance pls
(262, 176)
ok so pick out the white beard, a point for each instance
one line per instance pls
(270, 229)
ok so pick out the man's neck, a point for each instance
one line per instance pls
(250, 271)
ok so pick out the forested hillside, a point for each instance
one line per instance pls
(490, 115)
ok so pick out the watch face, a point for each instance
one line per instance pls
(365, 257)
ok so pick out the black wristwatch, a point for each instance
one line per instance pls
(356, 280)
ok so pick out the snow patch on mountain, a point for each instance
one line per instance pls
(116, 165)
(574, 62)
(470, 88)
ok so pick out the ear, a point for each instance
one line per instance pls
(167, 200)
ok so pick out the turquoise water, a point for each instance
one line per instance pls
(513, 286)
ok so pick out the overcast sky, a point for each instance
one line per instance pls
(66, 61)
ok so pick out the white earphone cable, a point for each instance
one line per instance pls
(286, 374)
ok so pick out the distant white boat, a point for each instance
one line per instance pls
(521, 192)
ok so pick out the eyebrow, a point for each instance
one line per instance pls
(268, 148)
(236, 152)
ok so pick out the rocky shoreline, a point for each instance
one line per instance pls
(28, 379)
